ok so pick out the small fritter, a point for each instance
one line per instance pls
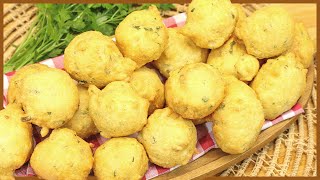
(81, 122)
(239, 118)
(120, 158)
(142, 36)
(63, 155)
(48, 96)
(15, 141)
(180, 51)
(168, 139)
(303, 46)
(202, 120)
(148, 85)
(267, 32)
(16, 80)
(92, 58)
(232, 59)
(194, 91)
(210, 22)
(241, 18)
(279, 84)
(117, 110)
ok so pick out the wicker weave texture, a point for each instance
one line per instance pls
(293, 153)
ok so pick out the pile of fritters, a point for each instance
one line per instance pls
(158, 83)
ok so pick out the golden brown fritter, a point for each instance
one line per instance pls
(120, 158)
(239, 118)
(15, 141)
(303, 46)
(267, 32)
(194, 91)
(81, 122)
(279, 84)
(148, 85)
(168, 139)
(92, 58)
(180, 51)
(210, 22)
(117, 110)
(63, 155)
(232, 59)
(48, 96)
(142, 36)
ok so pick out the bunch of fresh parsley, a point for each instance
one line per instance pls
(57, 24)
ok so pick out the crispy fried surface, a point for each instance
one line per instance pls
(232, 59)
(120, 158)
(148, 85)
(267, 32)
(210, 22)
(168, 139)
(81, 122)
(180, 51)
(238, 119)
(117, 110)
(194, 91)
(142, 36)
(63, 155)
(92, 58)
(48, 96)
(15, 141)
(279, 84)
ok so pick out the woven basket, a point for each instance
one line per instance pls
(293, 153)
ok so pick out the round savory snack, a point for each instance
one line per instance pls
(15, 141)
(48, 96)
(210, 22)
(16, 80)
(180, 51)
(279, 84)
(194, 91)
(92, 58)
(267, 32)
(239, 118)
(148, 85)
(303, 46)
(232, 59)
(142, 36)
(81, 122)
(120, 158)
(168, 139)
(241, 18)
(202, 120)
(63, 155)
(117, 110)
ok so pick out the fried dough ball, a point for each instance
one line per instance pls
(180, 51)
(302, 46)
(148, 85)
(120, 158)
(241, 18)
(232, 59)
(142, 36)
(279, 84)
(168, 139)
(81, 122)
(194, 91)
(92, 58)
(239, 118)
(15, 141)
(48, 96)
(16, 80)
(210, 22)
(268, 32)
(117, 110)
(63, 155)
